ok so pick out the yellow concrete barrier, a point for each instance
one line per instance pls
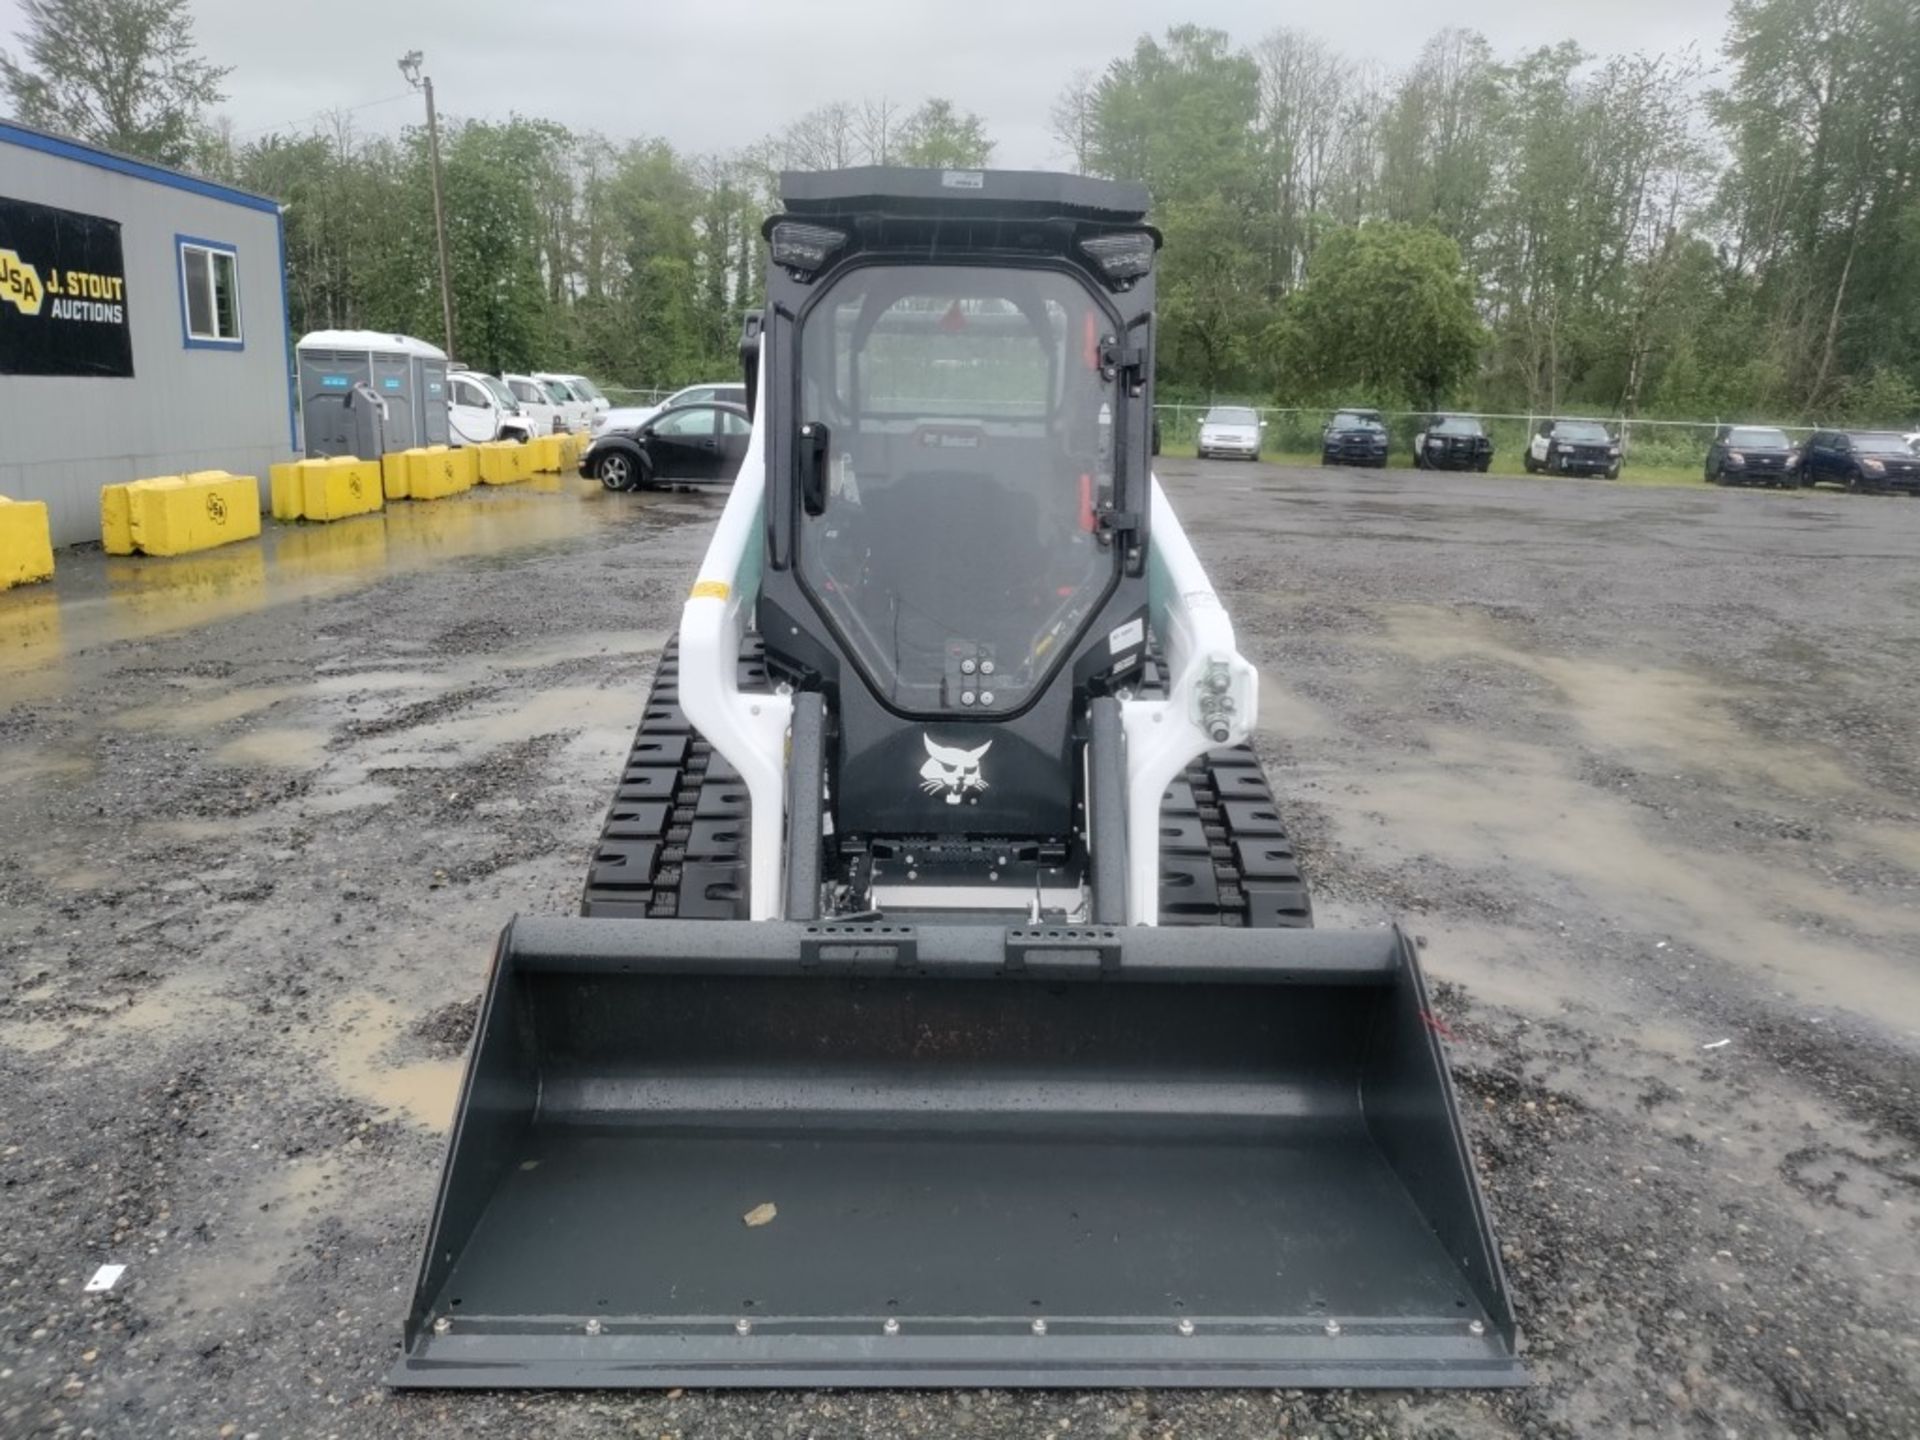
(340, 486)
(26, 545)
(547, 452)
(394, 469)
(283, 489)
(504, 462)
(437, 472)
(176, 514)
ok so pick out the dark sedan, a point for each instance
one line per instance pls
(1453, 442)
(1753, 455)
(1861, 460)
(699, 443)
(1354, 437)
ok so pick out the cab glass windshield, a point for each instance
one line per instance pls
(1353, 420)
(969, 449)
(1228, 415)
(1758, 438)
(1457, 425)
(1882, 444)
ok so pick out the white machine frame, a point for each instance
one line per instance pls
(1210, 684)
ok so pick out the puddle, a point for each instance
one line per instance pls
(264, 1232)
(67, 872)
(30, 644)
(1507, 806)
(100, 600)
(572, 707)
(359, 1037)
(1898, 843)
(1287, 715)
(190, 716)
(1624, 707)
(293, 749)
(184, 1002)
(22, 764)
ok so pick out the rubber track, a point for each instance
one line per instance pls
(1225, 858)
(675, 838)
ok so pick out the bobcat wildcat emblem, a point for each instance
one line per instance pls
(951, 769)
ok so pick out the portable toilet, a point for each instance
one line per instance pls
(408, 375)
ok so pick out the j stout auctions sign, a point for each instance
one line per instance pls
(63, 293)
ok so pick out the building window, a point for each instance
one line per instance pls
(209, 294)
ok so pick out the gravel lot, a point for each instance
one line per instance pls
(1640, 765)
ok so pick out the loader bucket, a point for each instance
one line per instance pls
(704, 1154)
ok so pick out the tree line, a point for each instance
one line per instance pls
(1541, 231)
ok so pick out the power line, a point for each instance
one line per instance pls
(322, 114)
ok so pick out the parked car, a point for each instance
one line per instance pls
(543, 412)
(1354, 437)
(1453, 442)
(576, 411)
(582, 389)
(1877, 460)
(699, 443)
(633, 417)
(1230, 430)
(480, 408)
(1753, 455)
(1572, 447)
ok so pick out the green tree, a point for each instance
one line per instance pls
(123, 74)
(1388, 311)
(940, 137)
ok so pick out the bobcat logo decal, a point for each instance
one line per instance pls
(952, 770)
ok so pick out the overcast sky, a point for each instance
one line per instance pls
(714, 76)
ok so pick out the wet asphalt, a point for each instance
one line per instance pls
(1638, 764)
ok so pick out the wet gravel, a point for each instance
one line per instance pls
(1637, 764)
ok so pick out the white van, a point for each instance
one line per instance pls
(582, 389)
(543, 412)
(480, 408)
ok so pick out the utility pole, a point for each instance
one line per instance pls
(410, 67)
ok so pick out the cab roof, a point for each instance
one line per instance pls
(900, 190)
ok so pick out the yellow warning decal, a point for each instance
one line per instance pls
(711, 590)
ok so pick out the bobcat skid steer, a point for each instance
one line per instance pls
(944, 1010)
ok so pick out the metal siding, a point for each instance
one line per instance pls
(184, 409)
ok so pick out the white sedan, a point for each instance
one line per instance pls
(632, 417)
(1230, 430)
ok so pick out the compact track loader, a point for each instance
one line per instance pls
(944, 1009)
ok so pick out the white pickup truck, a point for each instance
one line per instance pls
(543, 412)
(586, 399)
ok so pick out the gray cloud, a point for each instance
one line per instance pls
(717, 76)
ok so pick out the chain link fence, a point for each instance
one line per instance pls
(1296, 431)
(624, 398)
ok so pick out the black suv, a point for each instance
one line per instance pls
(1572, 447)
(1876, 460)
(1752, 455)
(1354, 437)
(1452, 442)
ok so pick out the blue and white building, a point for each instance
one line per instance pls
(143, 327)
